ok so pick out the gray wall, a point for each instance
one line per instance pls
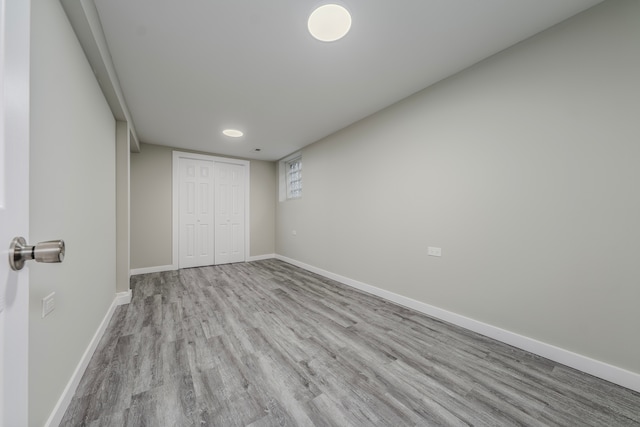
(72, 196)
(263, 207)
(151, 221)
(524, 169)
(151, 207)
(123, 232)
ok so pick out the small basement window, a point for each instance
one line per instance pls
(293, 169)
(290, 177)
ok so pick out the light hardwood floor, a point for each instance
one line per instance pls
(269, 344)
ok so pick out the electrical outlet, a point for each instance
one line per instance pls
(294, 232)
(48, 304)
(431, 251)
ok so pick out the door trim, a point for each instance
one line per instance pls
(175, 199)
(15, 60)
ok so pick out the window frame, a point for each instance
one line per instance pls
(285, 191)
(293, 178)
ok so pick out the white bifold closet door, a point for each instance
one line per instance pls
(229, 213)
(196, 213)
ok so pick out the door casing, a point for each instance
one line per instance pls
(15, 24)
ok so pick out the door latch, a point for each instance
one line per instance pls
(19, 252)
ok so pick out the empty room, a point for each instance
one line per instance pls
(307, 213)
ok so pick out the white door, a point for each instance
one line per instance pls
(14, 208)
(196, 213)
(230, 215)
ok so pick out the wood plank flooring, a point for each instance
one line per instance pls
(268, 344)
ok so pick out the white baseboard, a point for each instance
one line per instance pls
(170, 267)
(157, 269)
(121, 298)
(593, 367)
(261, 257)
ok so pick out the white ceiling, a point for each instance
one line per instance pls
(191, 68)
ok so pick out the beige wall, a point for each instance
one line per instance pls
(72, 197)
(151, 221)
(151, 207)
(123, 156)
(524, 169)
(263, 207)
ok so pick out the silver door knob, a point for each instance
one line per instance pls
(19, 252)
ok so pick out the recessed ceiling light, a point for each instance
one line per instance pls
(233, 133)
(329, 23)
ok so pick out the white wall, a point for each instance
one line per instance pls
(72, 196)
(524, 169)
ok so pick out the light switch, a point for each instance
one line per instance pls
(431, 251)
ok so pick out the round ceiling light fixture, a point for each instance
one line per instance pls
(329, 23)
(233, 133)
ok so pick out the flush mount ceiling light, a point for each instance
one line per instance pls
(233, 133)
(329, 23)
